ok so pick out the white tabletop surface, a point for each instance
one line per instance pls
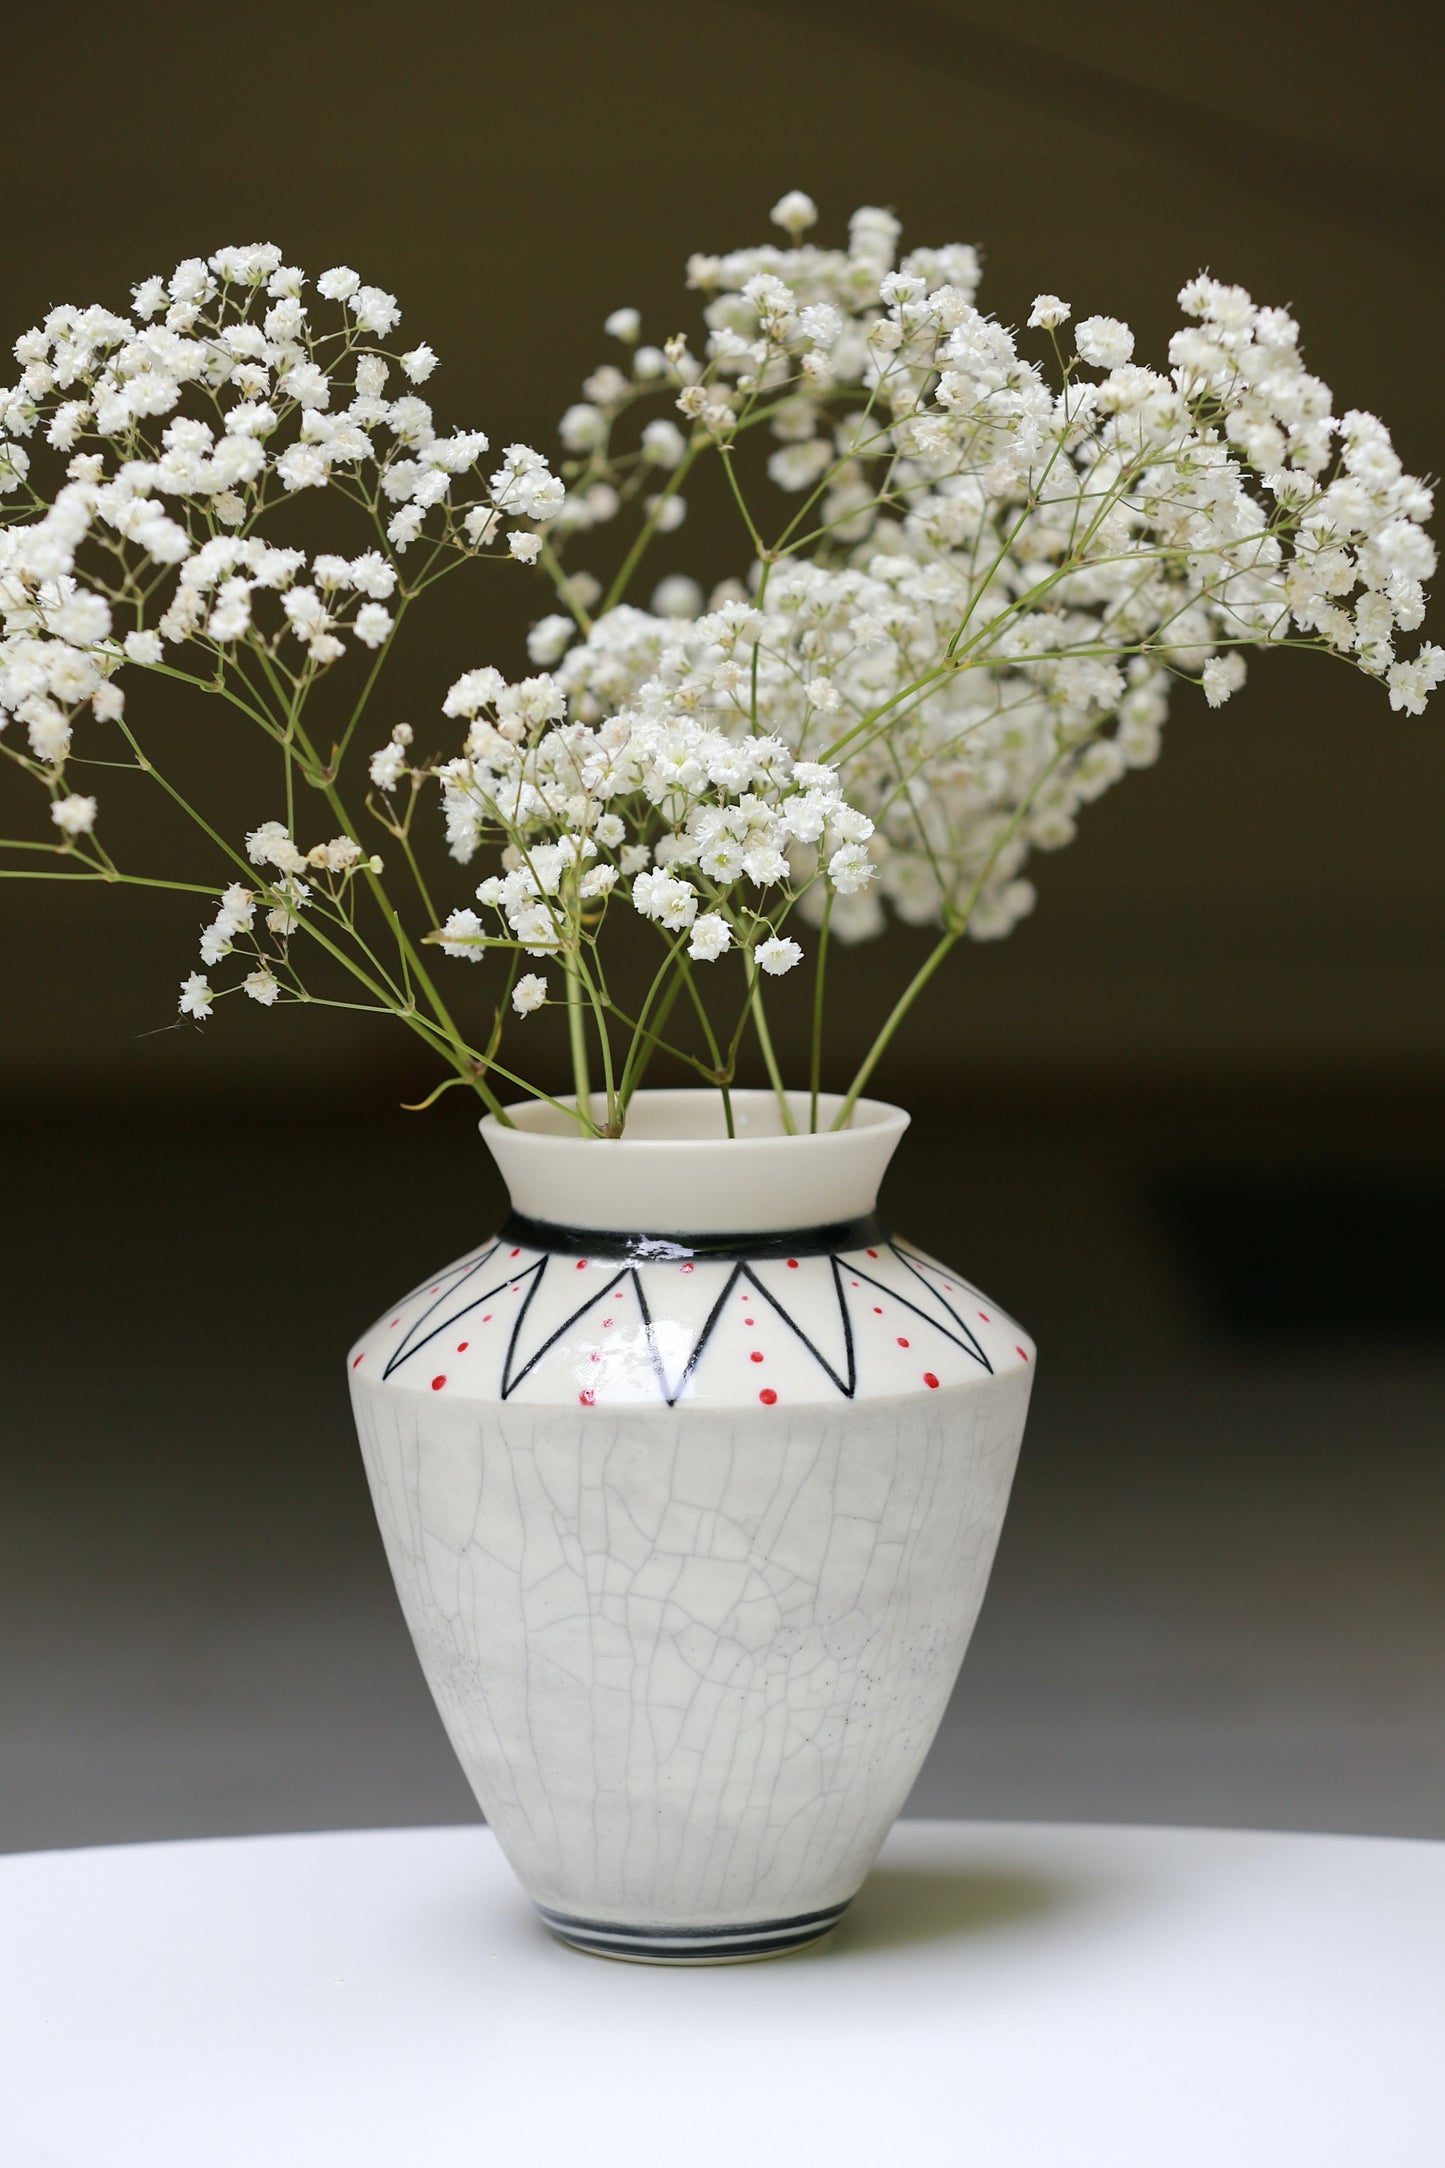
(1002, 1996)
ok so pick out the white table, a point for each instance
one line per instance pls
(1001, 1996)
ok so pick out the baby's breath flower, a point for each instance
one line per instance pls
(672, 902)
(75, 814)
(1014, 565)
(777, 955)
(1223, 675)
(1104, 342)
(795, 213)
(464, 935)
(850, 868)
(711, 938)
(271, 845)
(388, 766)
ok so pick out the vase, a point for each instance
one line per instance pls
(690, 1480)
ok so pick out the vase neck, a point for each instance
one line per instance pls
(677, 1177)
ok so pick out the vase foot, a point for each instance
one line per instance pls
(738, 1944)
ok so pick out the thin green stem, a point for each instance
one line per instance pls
(770, 1059)
(815, 1064)
(577, 1041)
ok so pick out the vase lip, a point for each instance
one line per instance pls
(676, 1171)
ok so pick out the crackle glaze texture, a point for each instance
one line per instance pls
(691, 1534)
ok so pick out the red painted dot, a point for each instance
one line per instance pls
(516, 1290)
(930, 1380)
(516, 1253)
(1019, 1351)
(357, 1358)
(756, 1356)
(767, 1396)
(684, 1268)
(984, 1315)
(877, 1311)
(607, 1321)
(488, 1318)
(581, 1264)
(432, 1290)
(948, 1287)
(750, 1321)
(792, 1264)
(395, 1322)
(588, 1398)
(462, 1346)
(594, 1357)
(873, 1253)
(437, 1384)
(852, 1283)
(903, 1343)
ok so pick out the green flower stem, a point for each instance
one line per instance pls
(577, 1042)
(649, 527)
(816, 1060)
(553, 567)
(950, 937)
(722, 1074)
(464, 1056)
(103, 873)
(770, 1059)
(637, 1059)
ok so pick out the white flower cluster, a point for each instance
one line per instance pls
(280, 902)
(994, 577)
(176, 430)
(701, 827)
(975, 565)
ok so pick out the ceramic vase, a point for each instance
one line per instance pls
(690, 1480)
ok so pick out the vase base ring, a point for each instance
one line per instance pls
(735, 1944)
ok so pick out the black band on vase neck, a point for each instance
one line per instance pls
(642, 1249)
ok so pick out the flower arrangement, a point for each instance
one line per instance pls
(973, 567)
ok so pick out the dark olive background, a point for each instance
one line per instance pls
(1187, 1121)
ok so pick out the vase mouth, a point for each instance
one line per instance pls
(678, 1172)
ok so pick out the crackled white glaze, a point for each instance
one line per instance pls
(691, 1533)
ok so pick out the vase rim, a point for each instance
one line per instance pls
(677, 1171)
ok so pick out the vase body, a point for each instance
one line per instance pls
(690, 1481)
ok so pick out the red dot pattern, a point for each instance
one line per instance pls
(767, 1395)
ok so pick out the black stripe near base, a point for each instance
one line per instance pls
(692, 1945)
(664, 1934)
(692, 1953)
